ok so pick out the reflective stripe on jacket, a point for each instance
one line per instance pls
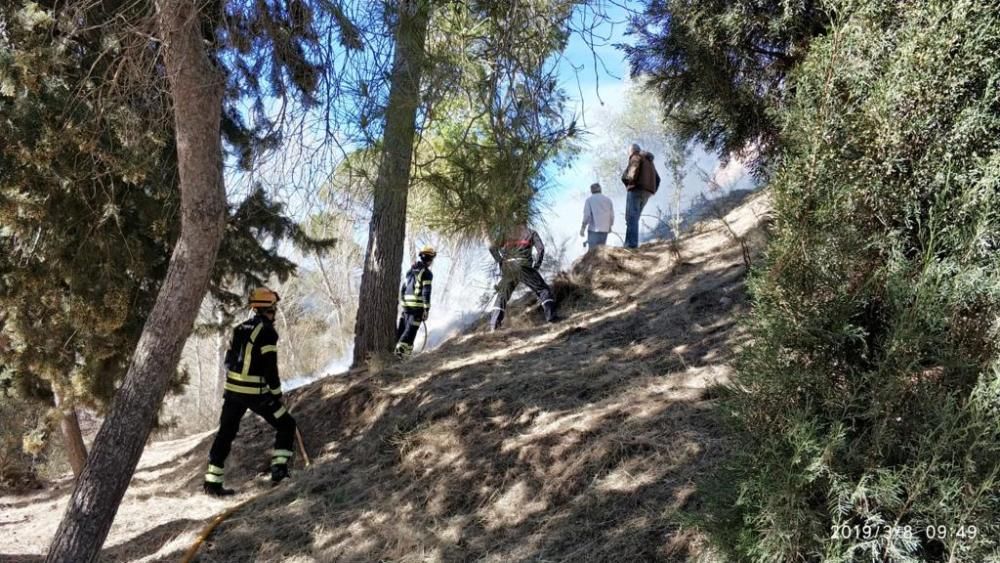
(519, 247)
(415, 292)
(252, 359)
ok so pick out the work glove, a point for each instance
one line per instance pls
(426, 314)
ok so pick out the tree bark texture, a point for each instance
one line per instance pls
(196, 87)
(69, 425)
(375, 326)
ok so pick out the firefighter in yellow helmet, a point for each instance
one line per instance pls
(252, 383)
(415, 299)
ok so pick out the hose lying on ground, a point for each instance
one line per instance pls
(193, 550)
(221, 517)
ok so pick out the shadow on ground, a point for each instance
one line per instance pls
(579, 441)
(575, 442)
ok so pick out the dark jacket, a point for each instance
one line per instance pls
(415, 293)
(517, 246)
(252, 358)
(641, 173)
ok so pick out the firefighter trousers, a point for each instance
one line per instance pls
(406, 331)
(511, 274)
(268, 407)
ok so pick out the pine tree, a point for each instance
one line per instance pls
(383, 260)
(491, 120)
(196, 88)
(89, 69)
(89, 200)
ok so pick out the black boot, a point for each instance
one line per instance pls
(550, 311)
(496, 319)
(402, 350)
(279, 473)
(217, 490)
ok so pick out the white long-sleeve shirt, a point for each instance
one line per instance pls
(598, 213)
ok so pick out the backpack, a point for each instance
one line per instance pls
(237, 347)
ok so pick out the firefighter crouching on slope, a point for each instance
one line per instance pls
(415, 298)
(252, 383)
(513, 254)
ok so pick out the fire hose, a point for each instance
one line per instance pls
(222, 516)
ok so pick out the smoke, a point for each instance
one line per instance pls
(726, 176)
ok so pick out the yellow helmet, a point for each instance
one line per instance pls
(263, 298)
(428, 251)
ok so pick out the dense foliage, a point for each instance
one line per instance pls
(88, 189)
(494, 134)
(721, 67)
(492, 124)
(868, 405)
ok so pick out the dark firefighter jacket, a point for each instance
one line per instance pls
(415, 293)
(252, 359)
(518, 247)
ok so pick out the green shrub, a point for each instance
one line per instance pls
(871, 394)
(22, 442)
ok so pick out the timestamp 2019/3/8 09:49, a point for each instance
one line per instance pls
(933, 532)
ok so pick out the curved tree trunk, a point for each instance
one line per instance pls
(375, 325)
(196, 88)
(69, 425)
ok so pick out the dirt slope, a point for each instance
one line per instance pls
(578, 441)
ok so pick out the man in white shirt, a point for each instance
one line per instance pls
(598, 217)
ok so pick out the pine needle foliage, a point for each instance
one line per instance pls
(868, 406)
(497, 118)
(492, 121)
(88, 181)
(721, 67)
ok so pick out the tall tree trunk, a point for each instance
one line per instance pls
(69, 425)
(375, 325)
(290, 344)
(196, 88)
(221, 346)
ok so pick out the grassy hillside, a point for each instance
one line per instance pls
(579, 441)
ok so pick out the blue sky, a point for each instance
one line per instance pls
(595, 87)
(596, 79)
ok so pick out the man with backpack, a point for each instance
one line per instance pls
(252, 383)
(415, 299)
(641, 180)
(513, 253)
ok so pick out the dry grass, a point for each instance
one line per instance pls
(578, 441)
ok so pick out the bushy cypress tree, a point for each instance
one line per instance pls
(868, 405)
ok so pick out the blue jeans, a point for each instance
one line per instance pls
(634, 203)
(595, 239)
